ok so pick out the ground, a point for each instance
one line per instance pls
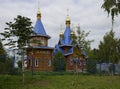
(64, 81)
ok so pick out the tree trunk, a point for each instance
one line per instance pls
(23, 80)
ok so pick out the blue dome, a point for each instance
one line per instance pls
(67, 36)
(67, 40)
(39, 28)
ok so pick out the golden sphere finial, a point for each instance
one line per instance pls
(67, 18)
(73, 31)
(61, 33)
(38, 12)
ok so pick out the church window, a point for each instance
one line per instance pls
(49, 62)
(36, 62)
(42, 40)
(71, 62)
(31, 62)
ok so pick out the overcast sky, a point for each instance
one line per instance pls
(87, 13)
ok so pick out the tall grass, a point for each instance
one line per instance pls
(56, 81)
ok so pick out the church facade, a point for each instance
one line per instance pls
(40, 55)
(74, 54)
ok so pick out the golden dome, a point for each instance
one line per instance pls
(68, 21)
(67, 18)
(38, 14)
(73, 33)
(61, 33)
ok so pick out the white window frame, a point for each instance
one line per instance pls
(42, 40)
(49, 62)
(36, 62)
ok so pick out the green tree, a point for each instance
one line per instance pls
(18, 32)
(59, 62)
(107, 48)
(93, 54)
(91, 66)
(81, 39)
(2, 52)
(112, 7)
(5, 63)
(19, 64)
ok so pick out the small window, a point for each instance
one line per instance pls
(31, 61)
(36, 62)
(49, 62)
(71, 63)
(42, 40)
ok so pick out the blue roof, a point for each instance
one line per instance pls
(59, 49)
(70, 51)
(41, 35)
(42, 47)
(39, 28)
(66, 37)
(65, 45)
(84, 53)
(65, 41)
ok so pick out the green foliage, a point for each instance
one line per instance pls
(109, 48)
(5, 66)
(19, 64)
(60, 82)
(91, 54)
(112, 7)
(59, 62)
(91, 66)
(18, 32)
(2, 58)
(15, 71)
(5, 63)
(2, 50)
(81, 39)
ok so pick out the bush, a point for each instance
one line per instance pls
(59, 64)
(15, 71)
(91, 66)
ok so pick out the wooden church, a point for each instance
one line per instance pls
(74, 54)
(39, 54)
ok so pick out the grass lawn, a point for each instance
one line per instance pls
(60, 82)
